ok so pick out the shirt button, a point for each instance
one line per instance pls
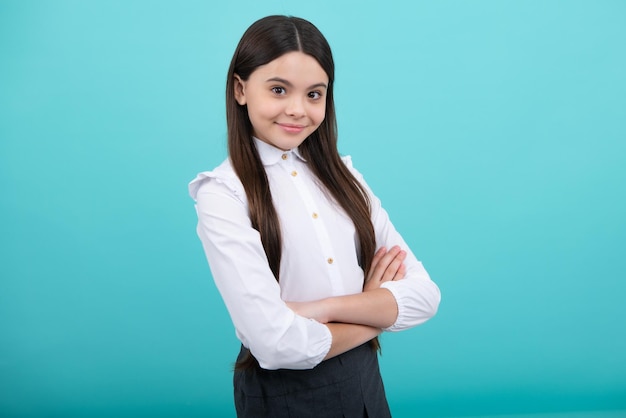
(330, 261)
(284, 156)
(294, 173)
(315, 215)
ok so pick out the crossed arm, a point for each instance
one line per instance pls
(356, 319)
(266, 325)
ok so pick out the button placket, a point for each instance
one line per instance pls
(300, 181)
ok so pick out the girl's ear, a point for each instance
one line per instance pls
(240, 94)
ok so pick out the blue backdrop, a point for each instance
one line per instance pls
(494, 133)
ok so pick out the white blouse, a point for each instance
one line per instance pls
(319, 259)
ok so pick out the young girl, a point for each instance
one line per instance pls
(308, 264)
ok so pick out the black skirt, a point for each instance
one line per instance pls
(348, 385)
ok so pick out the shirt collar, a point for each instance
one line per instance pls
(271, 155)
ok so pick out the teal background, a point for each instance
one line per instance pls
(493, 131)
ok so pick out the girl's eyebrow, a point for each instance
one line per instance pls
(288, 84)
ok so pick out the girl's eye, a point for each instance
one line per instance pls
(278, 90)
(315, 95)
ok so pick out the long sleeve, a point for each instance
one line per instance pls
(417, 296)
(276, 336)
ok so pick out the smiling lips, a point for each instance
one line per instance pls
(291, 128)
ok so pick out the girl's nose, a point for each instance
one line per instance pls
(295, 108)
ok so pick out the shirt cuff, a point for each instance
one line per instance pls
(396, 291)
(294, 352)
(417, 300)
(323, 345)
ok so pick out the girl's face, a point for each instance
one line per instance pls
(286, 99)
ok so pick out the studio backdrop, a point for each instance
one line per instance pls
(493, 132)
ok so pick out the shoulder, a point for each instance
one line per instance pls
(347, 160)
(222, 177)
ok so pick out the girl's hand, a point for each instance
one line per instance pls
(386, 266)
(313, 310)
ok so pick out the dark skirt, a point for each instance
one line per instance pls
(348, 385)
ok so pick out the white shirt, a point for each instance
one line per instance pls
(319, 259)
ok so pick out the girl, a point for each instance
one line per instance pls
(291, 232)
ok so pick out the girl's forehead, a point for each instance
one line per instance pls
(294, 67)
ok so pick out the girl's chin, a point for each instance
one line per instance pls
(287, 141)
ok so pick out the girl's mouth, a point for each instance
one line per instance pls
(291, 128)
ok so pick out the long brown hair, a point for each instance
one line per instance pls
(266, 40)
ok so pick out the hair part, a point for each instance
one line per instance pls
(264, 41)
